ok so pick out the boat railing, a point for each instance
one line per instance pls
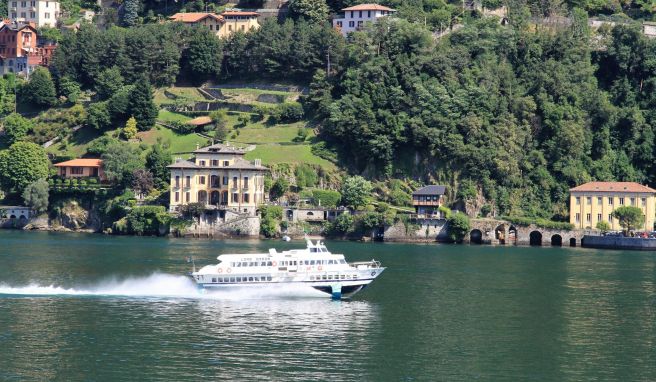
(365, 264)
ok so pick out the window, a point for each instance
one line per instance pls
(644, 202)
(633, 201)
(23, 3)
(243, 27)
(202, 163)
(599, 200)
(610, 200)
(351, 24)
(588, 218)
(229, 28)
(234, 182)
(610, 218)
(14, 3)
(578, 217)
(621, 201)
(226, 163)
(235, 198)
(598, 217)
(246, 198)
(177, 196)
(33, 15)
(578, 200)
(177, 181)
(47, 15)
(359, 24)
(225, 180)
(339, 24)
(245, 182)
(187, 197)
(213, 279)
(47, 4)
(77, 170)
(589, 200)
(23, 14)
(188, 182)
(211, 26)
(215, 163)
(360, 15)
(201, 180)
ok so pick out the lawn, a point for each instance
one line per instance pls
(274, 153)
(275, 134)
(76, 145)
(178, 142)
(169, 116)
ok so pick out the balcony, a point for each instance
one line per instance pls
(435, 203)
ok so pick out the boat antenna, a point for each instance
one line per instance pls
(190, 259)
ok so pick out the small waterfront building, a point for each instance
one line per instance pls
(224, 24)
(649, 29)
(593, 202)
(15, 212)
(219, 177)
(427, 200)
(81, 168)
(357, 16)
(43, 13)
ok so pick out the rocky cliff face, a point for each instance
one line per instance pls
(69, 216)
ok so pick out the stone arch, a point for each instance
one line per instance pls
(535, 238)
(12, 217)
(476, 236)
(202, 196)
(512, 235)
(215, 197)
(557, 240)
(572, 242)
(500, 233)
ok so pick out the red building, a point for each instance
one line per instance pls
(20, 49)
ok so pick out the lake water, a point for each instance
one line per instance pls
(78, 307)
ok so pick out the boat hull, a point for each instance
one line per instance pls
(337, 289)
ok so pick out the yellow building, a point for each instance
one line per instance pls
(219, 177)
(224, 24)
(593, 202)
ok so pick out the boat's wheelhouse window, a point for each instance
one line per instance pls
(311, 277)
(213, 279)
(250, 279)
(330, 277)
(312, 262)
(269, 263)
(313, 250)
(263, 264)
(232, 279)
(244, 264)
(268, 278)
(252, 264)
(343, 277)
(323, 277)
(342, 261)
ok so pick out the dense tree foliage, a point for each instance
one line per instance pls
(356, 191)
(16, 128)
(40, 90)
(120, 161)
(22, 164)
(157, 160)
(521, 114)
(35, 195)
(630, 217)
(310, 10)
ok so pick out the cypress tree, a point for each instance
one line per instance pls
(130, 13)
(142, 106)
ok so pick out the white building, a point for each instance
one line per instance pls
(40, 12)
(355, 17)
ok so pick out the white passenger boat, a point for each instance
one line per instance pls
(313, 266)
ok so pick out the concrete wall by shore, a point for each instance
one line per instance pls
(619, 242)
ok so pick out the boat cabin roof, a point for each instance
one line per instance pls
(311, 248)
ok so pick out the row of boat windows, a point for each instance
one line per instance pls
(285, 263)
(333, 277)
(249, 279)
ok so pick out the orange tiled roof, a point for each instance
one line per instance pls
(368, 7)
(193, 17)
(81, 163)
(239, 13)
(613, 187)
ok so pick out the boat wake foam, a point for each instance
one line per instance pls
(159, 285)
